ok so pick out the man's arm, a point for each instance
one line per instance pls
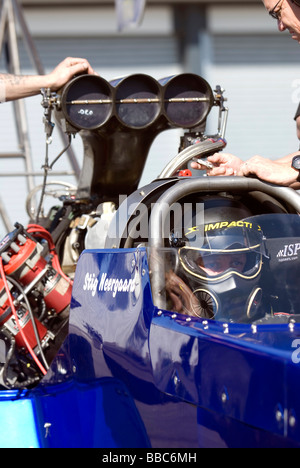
(17, 87)
(288, 159)
(278, 172)
(14, 87)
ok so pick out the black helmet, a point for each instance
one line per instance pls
(221, 262)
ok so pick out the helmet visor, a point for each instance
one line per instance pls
(236, 250)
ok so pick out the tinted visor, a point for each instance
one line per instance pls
(233, 250)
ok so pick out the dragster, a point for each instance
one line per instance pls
(158, 317)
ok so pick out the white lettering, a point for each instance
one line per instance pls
(119, 458)
(289, 251)
(90, 283)
(296, 354)
(101, 286)
(108, 285)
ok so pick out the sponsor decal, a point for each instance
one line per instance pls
(104, 283)
(230, 224)
(289, 253)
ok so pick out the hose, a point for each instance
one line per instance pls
(14, 312)
(37, 336)
(41, 233)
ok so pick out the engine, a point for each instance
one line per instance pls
(35, 296)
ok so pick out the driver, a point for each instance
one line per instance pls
(218, 276)
(184, 301)
(218, 264)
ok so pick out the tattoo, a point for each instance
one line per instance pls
(13, 80)
(19, 87)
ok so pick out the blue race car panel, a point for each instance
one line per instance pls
(211, 372)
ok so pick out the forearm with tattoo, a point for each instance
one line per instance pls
(18, 87)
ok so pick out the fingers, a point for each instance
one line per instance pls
(217, 159)
(66, 70)
(81, 68)
(78, 65)
(177, 304)
(75, 61)
(199, 167)
(222, 171)
(216, 171)
(182, 297)
(225, 164)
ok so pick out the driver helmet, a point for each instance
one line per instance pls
(221, 262)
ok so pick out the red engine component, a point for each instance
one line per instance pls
(185, 173)
(34, 291)
(25, 263)
(8, 321)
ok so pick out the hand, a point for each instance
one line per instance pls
(269, 171)
(184, 301)
(66, 70)
(225, 164)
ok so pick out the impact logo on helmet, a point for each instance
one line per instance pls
(193, 230)
(229, 224)
(221, 225)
